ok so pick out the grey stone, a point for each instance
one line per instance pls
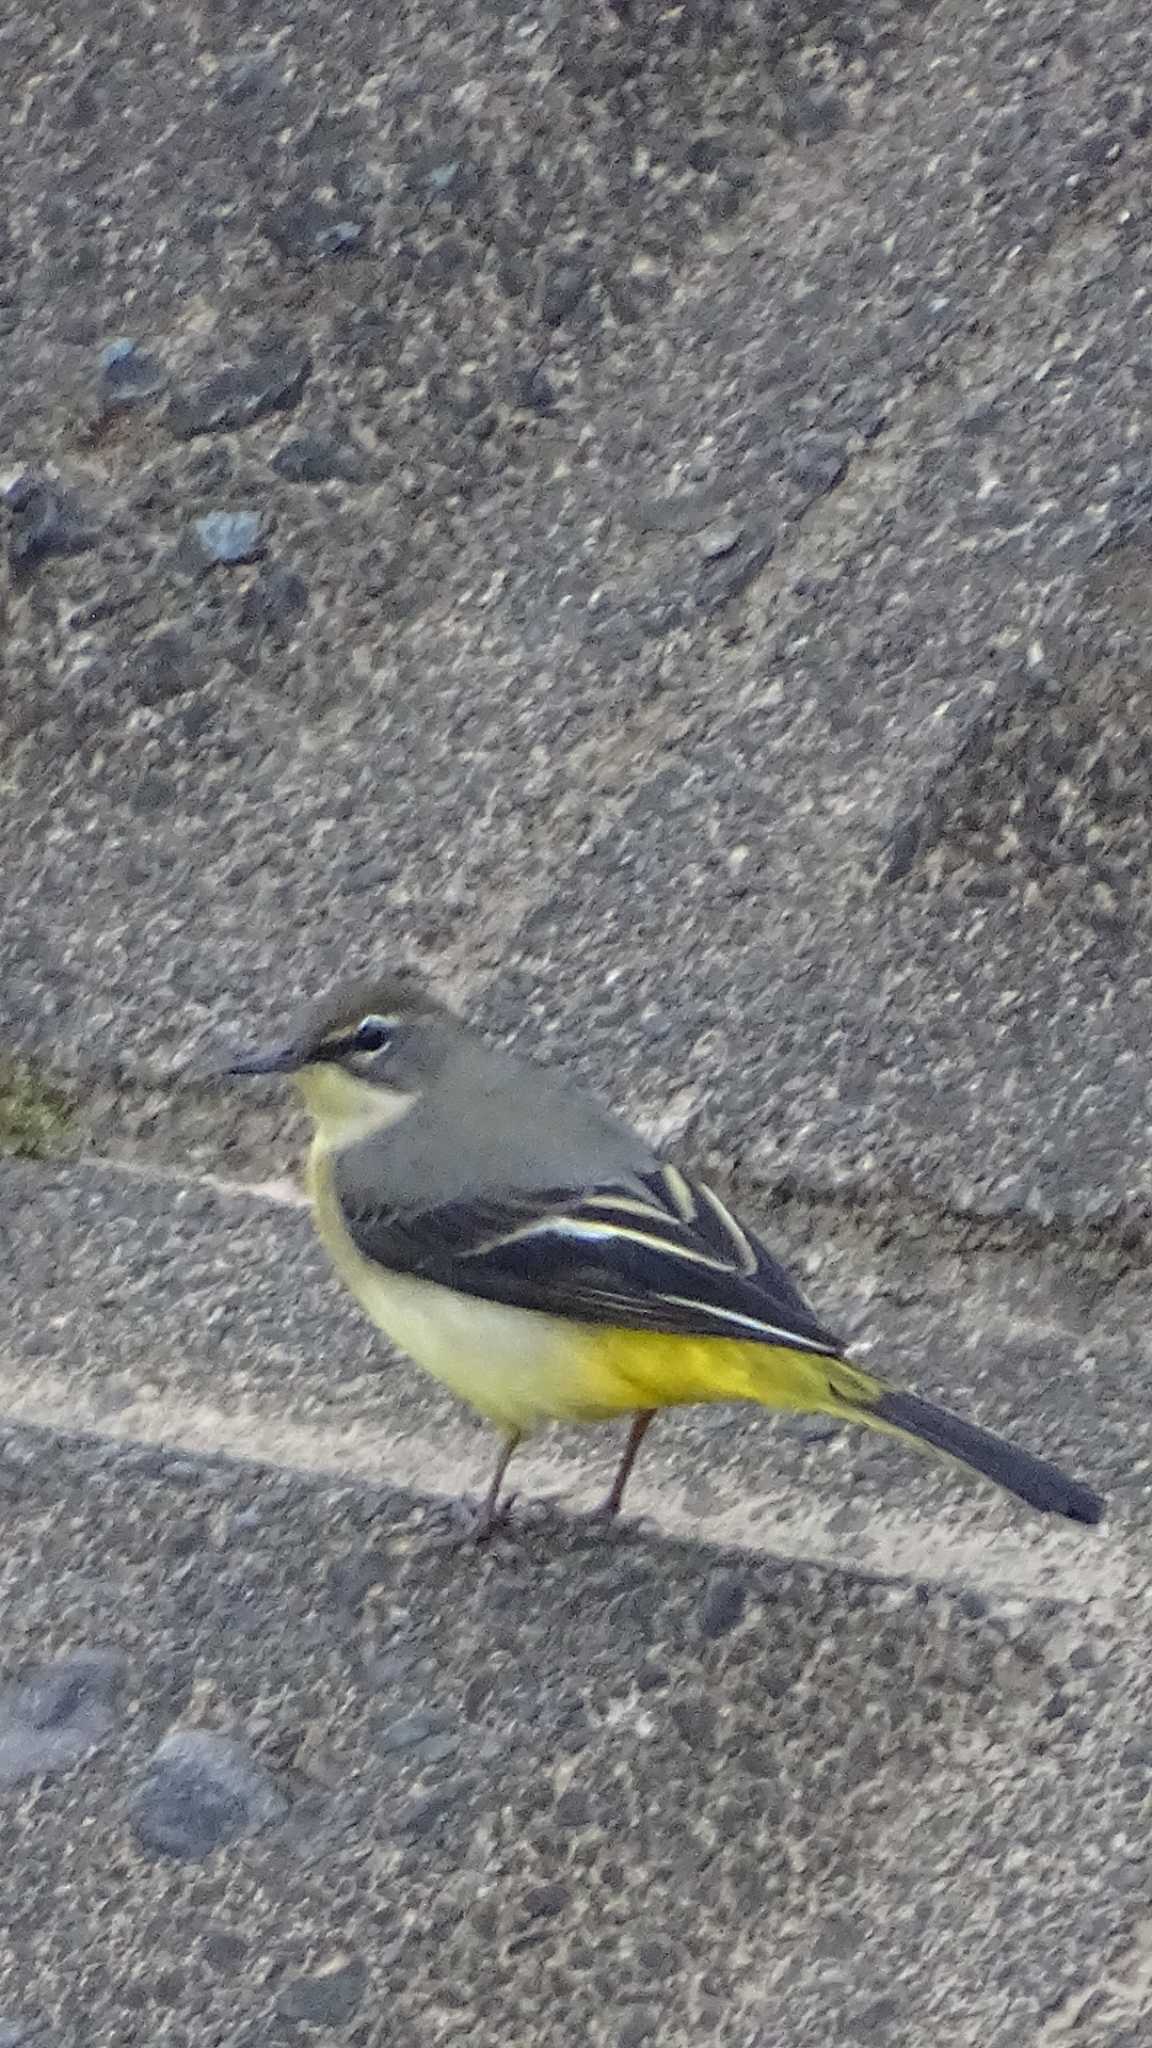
(231, 537)
(59, 1713)
(315, 459)
(719, 540)
(329, 1998)
(238, 397)
(44, 519)
(129, 375)
(307, 229)
(274, 601)
(723, 1604)
(202, 1791)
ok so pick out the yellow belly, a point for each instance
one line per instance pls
(520, 1368)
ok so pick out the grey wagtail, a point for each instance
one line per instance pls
(528, 1249)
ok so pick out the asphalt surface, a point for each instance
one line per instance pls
(645, 512)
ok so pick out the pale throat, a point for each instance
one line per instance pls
(346, 1109)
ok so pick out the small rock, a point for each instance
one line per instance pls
(706, 152)
(544, 1901)
(224, 1951)
(811, 1429)
(424, 1728)
(723, 1604)
(563, 291)
(694, 1721)
(819, 464)
(168, 664)
(59, 1713)
(274, 601)
(202, 1790)
(273, 381)
(129, 375)
(23, 2034)
(691, 511)
(244, 78)
(306, 230)
(719, 540)
(330, 1998)
(43, 520)
(534, 391)
(230, 537)
(316, 459)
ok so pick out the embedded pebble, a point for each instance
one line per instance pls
(59, 1713)
(309, 229)
(329, 1998)
(275, 600)
(43, 520)
(316, 459)
(720, 539)
(129, 375)
(231, 536)
(723, 1604)
(202, 1790)
(273, 381)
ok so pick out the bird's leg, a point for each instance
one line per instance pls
(609, 1507)
(493, 1511)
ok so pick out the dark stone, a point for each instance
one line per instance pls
(563, 292)
(544, 1901)
(273, 602)
(305, 230)
(638, 2027)
(316, 459)
(273, 381)
(723, 1604)
(684, 512)
(245, 78)
(224, 1951)
(419, 1730)
(202, 1790)
(819, 464)
(167, 665)
(129, 375)
(152, 793)
(533, 391)
(43, 520)
(706, 153)
(694, 1721)
(230, 537)
(59, 1713)
(329, 1999)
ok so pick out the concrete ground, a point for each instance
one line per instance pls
(644, 511)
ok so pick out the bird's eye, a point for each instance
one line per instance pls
(372, 1034)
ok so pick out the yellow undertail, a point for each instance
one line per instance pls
(666, 1372)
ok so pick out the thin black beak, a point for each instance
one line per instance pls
(275, 1059)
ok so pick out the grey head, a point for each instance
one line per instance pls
(386, 1029)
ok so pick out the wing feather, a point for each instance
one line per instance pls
(662, 1254)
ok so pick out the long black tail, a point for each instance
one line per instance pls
(1042, 1485)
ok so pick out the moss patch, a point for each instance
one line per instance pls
(37, 1116)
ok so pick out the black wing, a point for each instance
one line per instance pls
(664, 1255)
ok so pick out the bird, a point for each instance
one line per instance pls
(533, 1252)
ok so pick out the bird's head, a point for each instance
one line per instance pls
(362, 1054)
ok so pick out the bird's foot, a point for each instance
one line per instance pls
(608, 1514)
(473, 1523)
